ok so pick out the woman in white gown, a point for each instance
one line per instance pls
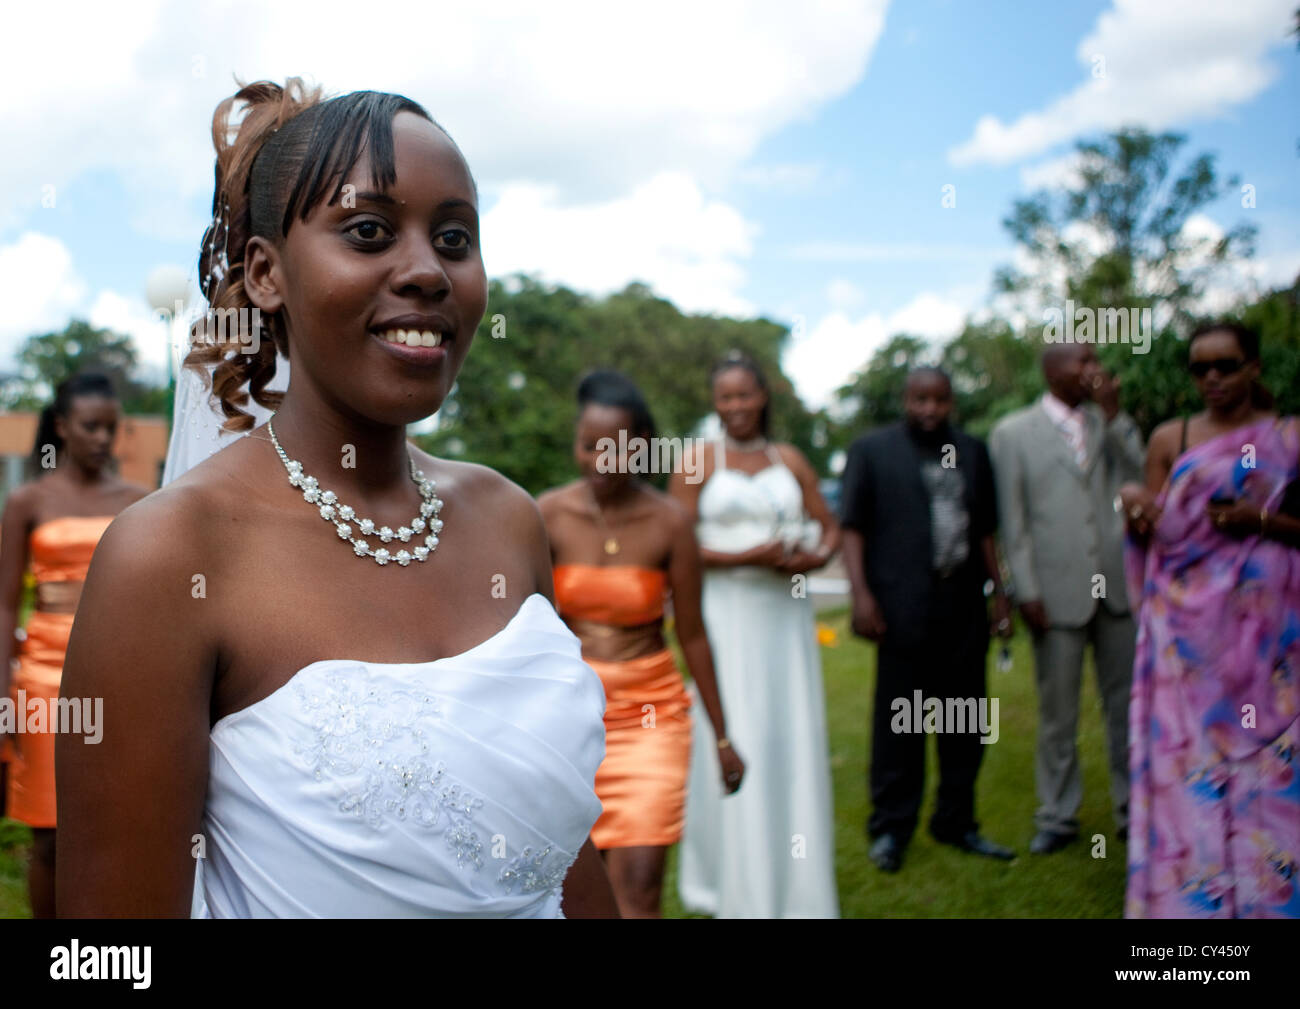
(769, 850)
(356, 716)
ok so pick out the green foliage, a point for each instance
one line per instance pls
(47, 359)
(993, 372)
(514, 405)
(876, 392)
(1119, 239)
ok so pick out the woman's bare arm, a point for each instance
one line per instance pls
(1160, 454)
(684, 578)
(587, 893)
(815, 505)
(15, 527)
(130, 806)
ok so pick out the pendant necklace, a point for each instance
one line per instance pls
(611, 543)
(333, 510)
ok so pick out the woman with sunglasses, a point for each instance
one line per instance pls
(1214, 548)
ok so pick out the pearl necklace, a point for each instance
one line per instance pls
(333, 510)
(748, 445)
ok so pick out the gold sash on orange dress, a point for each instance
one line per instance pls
(60, 552)
(642, 781)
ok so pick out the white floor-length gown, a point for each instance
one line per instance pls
(769, 850)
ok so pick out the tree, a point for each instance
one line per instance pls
(1119, 237)
(47, 359)
(1118, 240)
(875, 394)
(993, 372)
(514, 407)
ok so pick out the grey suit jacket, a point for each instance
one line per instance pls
(1059, 525)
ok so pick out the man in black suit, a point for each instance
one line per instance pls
(919, 516)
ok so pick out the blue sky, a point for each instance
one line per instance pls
(762, 158)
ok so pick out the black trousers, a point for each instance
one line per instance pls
(947, 659)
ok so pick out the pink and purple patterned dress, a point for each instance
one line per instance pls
(1214, 749)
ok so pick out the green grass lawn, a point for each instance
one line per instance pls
(936, 882)
(940, 882)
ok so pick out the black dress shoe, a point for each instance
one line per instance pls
(1046, 841)
(887, 852)
(973, 843)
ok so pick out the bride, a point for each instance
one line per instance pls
(333, 681)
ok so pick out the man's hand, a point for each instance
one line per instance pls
(867, 619)
(1141, 513)
(1035, 615)
(1103, 389)
(1000, 622)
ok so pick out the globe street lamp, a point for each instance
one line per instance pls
(167, 290)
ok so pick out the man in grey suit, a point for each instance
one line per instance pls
(1059, 465)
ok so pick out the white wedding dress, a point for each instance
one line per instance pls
(456, 788)
(769, 850)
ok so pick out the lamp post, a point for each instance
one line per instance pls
(167, 290)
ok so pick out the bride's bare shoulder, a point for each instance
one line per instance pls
(488, 492)
(177, 524)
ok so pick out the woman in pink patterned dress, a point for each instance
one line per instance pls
(1214, 557)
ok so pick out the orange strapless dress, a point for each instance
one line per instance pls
(642, 781)
(60, 552)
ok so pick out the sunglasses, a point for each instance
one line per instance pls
(1223, 365)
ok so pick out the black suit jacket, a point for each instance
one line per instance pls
(886, 501)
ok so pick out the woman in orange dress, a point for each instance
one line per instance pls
(53, 523)
(620, 548)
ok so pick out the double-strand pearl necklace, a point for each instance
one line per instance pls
(333, 510)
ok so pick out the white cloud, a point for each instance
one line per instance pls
(1155, 63)
(1054, 173)
(592, 98)
(928, 315)
(666, 233)
(149, 334)
(821, 360)
(41, 291)
(1229, 284)
(844, 295)
(782, 176)
(39, 288)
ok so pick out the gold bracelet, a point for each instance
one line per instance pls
(1263, 521)
(724, 743)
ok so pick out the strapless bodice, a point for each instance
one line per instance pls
(621, 595)
(459, 787)
(61, 548)
(739, 510)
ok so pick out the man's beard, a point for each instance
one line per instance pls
(937, 436)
